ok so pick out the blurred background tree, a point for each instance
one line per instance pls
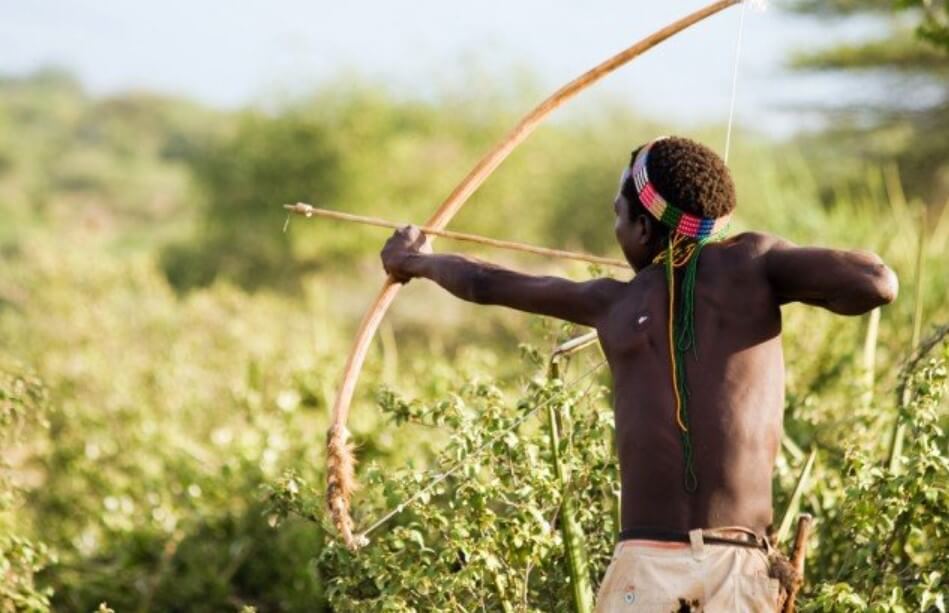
(902, 114)
(244, 178)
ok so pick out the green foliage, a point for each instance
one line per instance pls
(364, 151)
(166, 425)
(890, 129)
(171, 413)
(246, 177)
(486, 537)
(935, 23)
(932, 15)
(23, 405)
(900, 52)
(20, 560)
(164, 449)
(94, 170)
(23, 399)
(889, 541)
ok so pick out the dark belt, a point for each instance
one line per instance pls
(674, 536)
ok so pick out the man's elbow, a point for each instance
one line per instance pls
(884, 285)
(880, 285)
(888, 285)
(875, 286)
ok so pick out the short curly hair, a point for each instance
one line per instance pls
(689, 176)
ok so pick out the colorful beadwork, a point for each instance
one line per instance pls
(675, 218)
(682, 252)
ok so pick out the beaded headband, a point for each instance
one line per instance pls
(677, 219)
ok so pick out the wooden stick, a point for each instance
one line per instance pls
(798, 553)
(307, 210)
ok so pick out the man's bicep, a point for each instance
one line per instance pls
(845, 282)
(789, 269)
(583, 303)
(800, 274)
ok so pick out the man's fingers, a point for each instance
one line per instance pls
(415, 238)
(420, 240)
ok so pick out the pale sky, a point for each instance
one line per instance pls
(229, 53)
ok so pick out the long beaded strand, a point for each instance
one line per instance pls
(683, 252)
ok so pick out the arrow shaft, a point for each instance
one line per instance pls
(309, 211)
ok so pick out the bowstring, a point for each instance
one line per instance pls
(471, 456)
(731, 104)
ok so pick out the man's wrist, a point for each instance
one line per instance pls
(415, 264)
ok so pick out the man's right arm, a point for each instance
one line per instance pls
(841, 281)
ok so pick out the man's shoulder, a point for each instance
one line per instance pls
(744, 256)
(751, 246)
(755, 243)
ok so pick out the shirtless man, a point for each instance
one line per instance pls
(693, 530)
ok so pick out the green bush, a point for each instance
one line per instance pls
(163, 450)
(23, 405)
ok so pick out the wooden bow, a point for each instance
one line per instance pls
(340, 462)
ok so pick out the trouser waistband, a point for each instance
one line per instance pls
(708, 536)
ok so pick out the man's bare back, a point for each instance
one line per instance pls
(736, 378)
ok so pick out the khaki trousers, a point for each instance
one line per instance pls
(668, 577)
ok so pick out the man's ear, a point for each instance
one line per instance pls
(645, 229)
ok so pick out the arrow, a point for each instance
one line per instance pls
(307, 210)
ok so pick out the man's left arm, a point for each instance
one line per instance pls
(584, 303)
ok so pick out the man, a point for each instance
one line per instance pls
(694, 347)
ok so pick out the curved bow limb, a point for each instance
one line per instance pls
(340, 460)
